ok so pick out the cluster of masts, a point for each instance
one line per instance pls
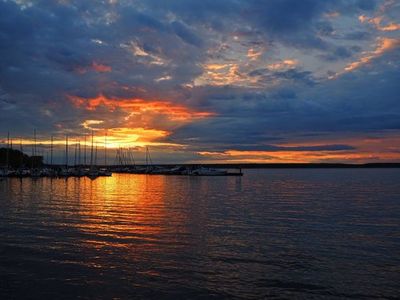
(38, 169)
(124, 163)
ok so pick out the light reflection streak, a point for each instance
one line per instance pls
(215, 233)
(118, 210)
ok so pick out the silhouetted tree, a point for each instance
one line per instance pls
(17, 159)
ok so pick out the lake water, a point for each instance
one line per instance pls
(293, 233)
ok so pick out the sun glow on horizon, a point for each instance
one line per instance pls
(133, 121)
(365, 149)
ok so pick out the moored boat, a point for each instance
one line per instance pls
(202, 171)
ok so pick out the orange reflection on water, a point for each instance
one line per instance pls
(131, 216)
(119, 209)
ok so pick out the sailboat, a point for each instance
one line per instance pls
(93, 173)
(104, 171)
(140, 169)
(35, 171)
(203, 171)
(64, 172)
(151, 168)
(22, 171)
(50, 171)
(76, 171)
(4, 172)
(79, 170)
(149, 163)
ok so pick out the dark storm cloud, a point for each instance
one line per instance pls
(185, 34)
(362, 102)
(156, 49)
(338, 54)
(298, 23)
(273, 148)
(130, 20)
(292, 22)
(358, 35)
(47, 51)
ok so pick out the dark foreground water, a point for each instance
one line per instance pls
(273, 233)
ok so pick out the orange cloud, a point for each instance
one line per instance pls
(139, 51)
(220, 74)
(284, 64)
(390, 27)
(362, 18)
(332, 14)
(367, 149)
(141, 122)
(95, 66)
(138, 137)
(100, 67)
(136, 106)
(235, 156)
(225, 74)
(216, 67)
(253, 54)
(384, 45)
(116, 137)
(379, 149)
(377, 23)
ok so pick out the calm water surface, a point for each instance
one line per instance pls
(273, 233)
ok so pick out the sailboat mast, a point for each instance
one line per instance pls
(8, 149)
(119, 160)
(34, 142)
(33, 149)
(34, 145)
(79, 152)
(75, 154)
(147, 156)
(66, 151)
(22, 154)
(105, 150)
(91, 153)
(133, 158)
(84, 151)
(95, 156)
(51, 151)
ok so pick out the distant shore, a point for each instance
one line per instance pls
(15, 159)
(279, 165)
(304, 165)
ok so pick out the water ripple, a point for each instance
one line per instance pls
(271, 234)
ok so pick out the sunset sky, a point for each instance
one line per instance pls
(206, 80)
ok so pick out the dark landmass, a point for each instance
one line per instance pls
(17, 159)
(304, 165)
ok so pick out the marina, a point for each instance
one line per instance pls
(93, 173)
(16, 163)
(199, 149)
